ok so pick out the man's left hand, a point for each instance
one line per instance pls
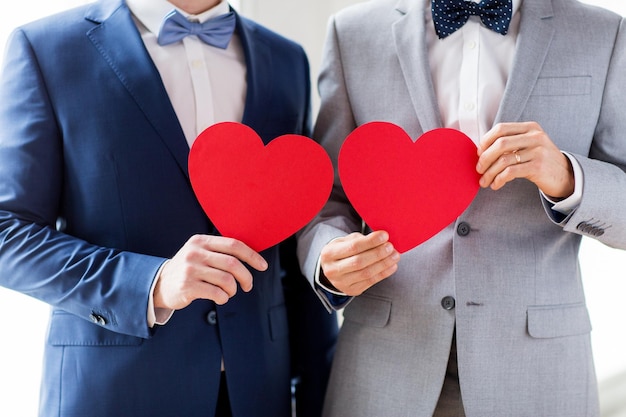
(524, 150)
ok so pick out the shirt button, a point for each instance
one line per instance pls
(469, 106)
(196, 63)
(211, 317)
(448, 302)
(471, 44)
(463, 229)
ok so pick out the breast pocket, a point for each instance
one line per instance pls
(563, 86)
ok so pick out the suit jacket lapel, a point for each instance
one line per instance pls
(535, 35)
(122, 48)
(258, 69)
(413, 57)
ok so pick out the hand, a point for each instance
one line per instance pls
(355, 262)
(524, 150)
(206, 267)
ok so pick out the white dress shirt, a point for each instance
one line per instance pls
(205, 84)
(469, 69)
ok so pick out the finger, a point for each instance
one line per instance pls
(501, 153)
(215, 269)
(504, 138)
(506, 176)
(354, 244)
(353, 253)
(226, 277)
(360, 261)
(225, 270)
(372, 275)
(503, 130)
(206, 291)
(355, 274)
(179, 284)
(234, 248)
(503, 170)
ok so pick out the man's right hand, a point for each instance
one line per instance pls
(206, 267)
(355, 262)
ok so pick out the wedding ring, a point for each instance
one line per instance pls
(517, 157)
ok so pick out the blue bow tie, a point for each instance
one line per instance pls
(451, 15)
(215, 32)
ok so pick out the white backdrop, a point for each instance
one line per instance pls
(23, 320)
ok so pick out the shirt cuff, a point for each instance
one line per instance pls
(571, 203)
(158, 316)
(335, 299)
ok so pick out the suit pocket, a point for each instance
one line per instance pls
(558, 320)
(368, 310)
(563, 86)
(277, 317)
(69, 330)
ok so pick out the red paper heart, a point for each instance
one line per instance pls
(258, 194)
(412, 190)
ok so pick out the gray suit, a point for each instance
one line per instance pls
(522, 326)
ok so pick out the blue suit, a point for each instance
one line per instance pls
(95, 194)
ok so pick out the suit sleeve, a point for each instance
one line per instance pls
(602, 211)
(334, 122)
(36, 258)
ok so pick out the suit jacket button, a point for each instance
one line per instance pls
(448, 302)
(61, 224)
(211, 317)
(97, 319)
(580, 226)
(463, 229)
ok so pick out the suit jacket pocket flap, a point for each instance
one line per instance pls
(277, 317)
(563, 86)
(558, 320)
(69, 330)
(369, 310)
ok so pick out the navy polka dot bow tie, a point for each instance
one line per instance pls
(451, 15)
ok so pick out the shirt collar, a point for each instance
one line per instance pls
(152, 12)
